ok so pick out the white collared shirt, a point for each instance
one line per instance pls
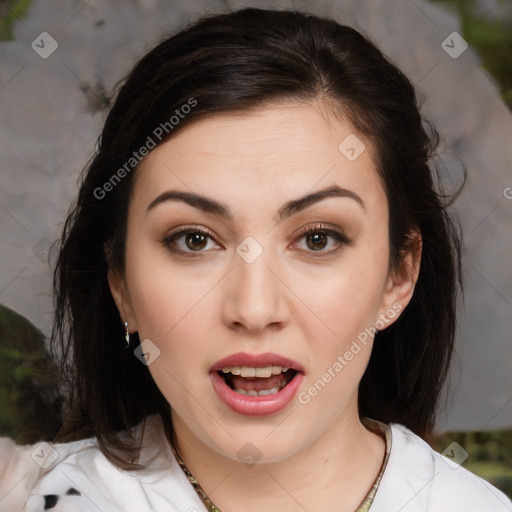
(76, 477)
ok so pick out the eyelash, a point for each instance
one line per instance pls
(320, 229)
(340, 238)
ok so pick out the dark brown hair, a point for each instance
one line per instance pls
(237, 62)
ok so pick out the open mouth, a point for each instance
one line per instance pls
(256, 384)
(260, 381)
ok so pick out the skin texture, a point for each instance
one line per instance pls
(299, 299)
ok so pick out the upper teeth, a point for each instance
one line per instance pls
(247, 371)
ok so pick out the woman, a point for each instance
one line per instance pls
(256, 287)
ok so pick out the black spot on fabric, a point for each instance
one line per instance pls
(73, 492)
(50, 500)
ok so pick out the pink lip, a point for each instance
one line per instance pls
(256, 361)
(256, 405)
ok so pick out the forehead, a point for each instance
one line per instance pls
(261, 156)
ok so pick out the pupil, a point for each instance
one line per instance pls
(194, 240)
(316, 239)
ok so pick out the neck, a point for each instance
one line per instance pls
(333, 473)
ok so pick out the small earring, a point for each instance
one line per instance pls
(126, 336)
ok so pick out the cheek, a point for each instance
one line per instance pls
(348, 304)
(162, 295)
(347, 297)
(173, 308)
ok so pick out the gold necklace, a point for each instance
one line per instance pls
(363, 507)
(208, 503)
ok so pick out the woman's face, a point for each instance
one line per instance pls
(220, 274)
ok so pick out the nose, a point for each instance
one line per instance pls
(255, 295)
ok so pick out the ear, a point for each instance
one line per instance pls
(401, 281)
(117, 286)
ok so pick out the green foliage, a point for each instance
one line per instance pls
(29, 401)
(10, 11)
(489, 454)
(491, 39)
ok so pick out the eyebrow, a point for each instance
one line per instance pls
(222, 210)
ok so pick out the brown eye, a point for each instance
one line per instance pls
(316, 241)
(319, 237)
(195, 241)
(189, 241)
